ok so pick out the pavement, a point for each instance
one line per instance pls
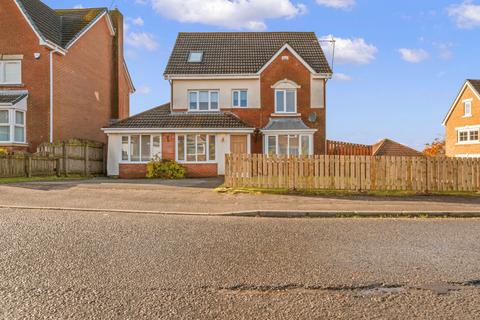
(196, 196)
(92, 265)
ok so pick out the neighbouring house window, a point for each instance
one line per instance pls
(239, 98)
(141, 148)
(203, 100)
(10, 72)
(195, 147)
(285, 101)
(468, 135)
(288, 145)
(467, 106)
(12, 126)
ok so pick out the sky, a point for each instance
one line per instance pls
(398, 65)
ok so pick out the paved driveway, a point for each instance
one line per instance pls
(197, 196)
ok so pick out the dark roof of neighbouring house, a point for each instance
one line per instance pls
(241, 52)
(162, 117)
(475, 84)
(12, 97)
(59, 26)
(285, 124)
(387, 147)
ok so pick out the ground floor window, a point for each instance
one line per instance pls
(289, 144)
(195, 147)
(468, 135)
(12, 126)
(141, 148)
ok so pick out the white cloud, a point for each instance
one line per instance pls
(354, 51)
(138, 21)
(144, 90)
(342, 76)
(445, 51)
(141, 40)
(78, 6)
(337, 4)
(413, 55)
(141, 1)
(466, 15)
(233, 14)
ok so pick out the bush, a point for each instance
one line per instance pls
(165, 169)
(3, 152)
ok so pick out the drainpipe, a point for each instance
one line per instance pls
(51, 94)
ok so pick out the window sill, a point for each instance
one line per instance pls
(134, 162)
(286, 114)
(12, 85)
(197, 162)
(467, 116)
(467, 143)
(10, 143)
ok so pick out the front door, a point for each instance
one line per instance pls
(238, 144)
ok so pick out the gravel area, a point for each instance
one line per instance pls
(78, 265)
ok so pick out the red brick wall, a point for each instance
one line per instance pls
(291, 69)
(83, 86)
(17, 37)
(201, 170)
(132, 171)
(168, 146)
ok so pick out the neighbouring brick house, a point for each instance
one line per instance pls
(231, 92)
(62, 73)
(462, 122)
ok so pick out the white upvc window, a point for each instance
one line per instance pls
(467, 108)
(195, 148)
(203, 100)
(10, 72)
(139, 148)
(239, 98)
(12, 126)
(285, 101)
(289, 144)
(468, 136)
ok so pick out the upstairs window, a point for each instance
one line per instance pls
(205, 100)
(285, 101)
(195, 56)
(467, 107)
(239, 98)
(10, 72)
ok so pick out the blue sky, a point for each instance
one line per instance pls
(399, 64)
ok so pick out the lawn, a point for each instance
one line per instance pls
(36, 179)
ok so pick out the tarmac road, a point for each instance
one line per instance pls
(79, 265)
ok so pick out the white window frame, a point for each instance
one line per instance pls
(300, 135)
(285, 101)
(12, 124)
(468, 131)
(3, 63)
(207, 148)
(239, 91)
(197, 108)
(140, 149)
(468, 103)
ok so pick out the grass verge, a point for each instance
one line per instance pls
(341, 193)
(39, 179)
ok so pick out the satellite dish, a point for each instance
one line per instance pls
(312, 117)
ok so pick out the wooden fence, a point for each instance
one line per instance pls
(338, 148)
(71, 157)
(361, 173)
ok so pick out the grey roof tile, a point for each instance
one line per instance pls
(241, 52)
(475, 84)
(285, 124)
(12, 97)
(162, 117)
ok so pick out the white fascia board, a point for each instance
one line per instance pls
(467, 84)
(210, 76)
(130, 81)
(295, 54)
(94, 22)
(175, 130)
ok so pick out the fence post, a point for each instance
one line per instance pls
(28, 166)
(86, 160)
(65, 158)
(57, 167)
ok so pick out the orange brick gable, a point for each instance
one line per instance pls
(457, 119)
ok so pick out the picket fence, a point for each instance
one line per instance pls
(356, 173)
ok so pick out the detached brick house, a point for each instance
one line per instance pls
(62, 73)
(462, 122)
(231, 92)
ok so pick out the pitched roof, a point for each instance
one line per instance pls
(60, 27)
(285, 124)
(474, 85)
(12, 97)
(241, 52)
(162, 117)
(387, 147)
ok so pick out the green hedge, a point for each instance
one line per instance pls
(165, 169)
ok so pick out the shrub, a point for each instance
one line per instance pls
(3, 152)
(165, 169)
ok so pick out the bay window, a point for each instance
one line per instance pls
(141, 148)
(289, 144)
(12, 126)
(204, 100)
(195, 147)
(10, 72)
